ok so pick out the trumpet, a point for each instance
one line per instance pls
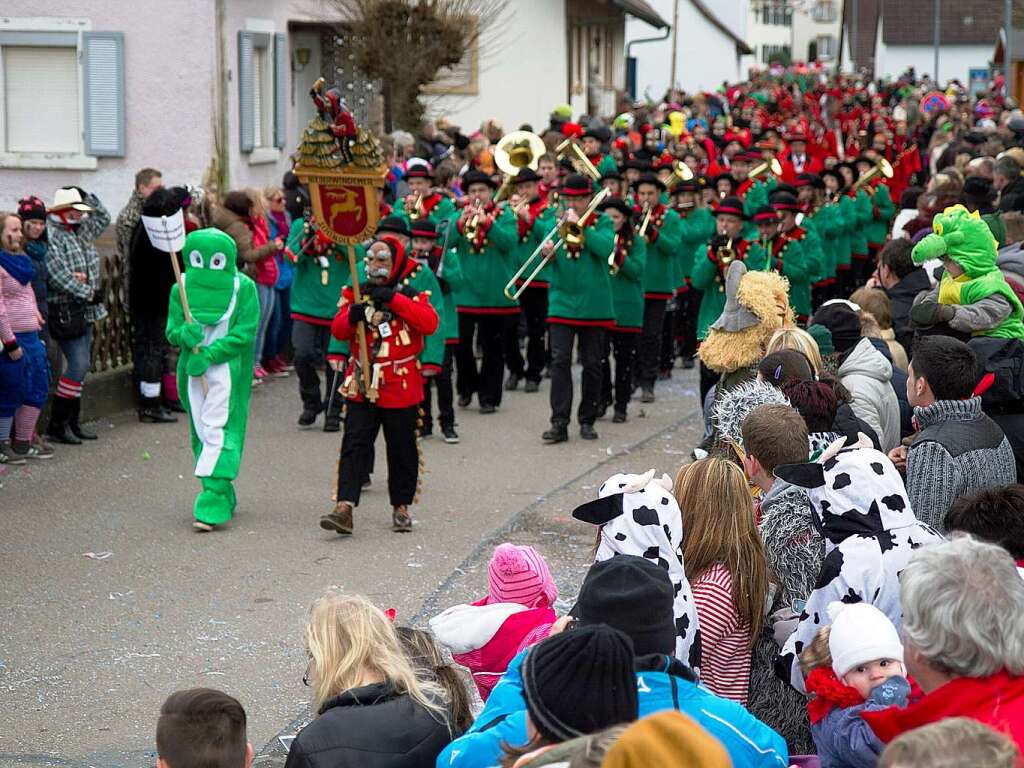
(882, 168)
(726, 254)
(760, 169)
(569, 233)
(417, 208)
(642, 229)
(469, 229)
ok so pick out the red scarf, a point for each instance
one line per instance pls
(829, 693)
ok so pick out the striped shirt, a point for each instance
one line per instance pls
(17, 308)
(725, 640)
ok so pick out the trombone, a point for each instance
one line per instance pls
(882, 168)
(578, 158)
(760, 169)
(569, 233)
(642, 230)
(613, 265)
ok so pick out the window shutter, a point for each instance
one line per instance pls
(280, 88)
(103, 77)
(246, 107)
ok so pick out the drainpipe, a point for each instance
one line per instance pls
(220, 118)
(629, 49)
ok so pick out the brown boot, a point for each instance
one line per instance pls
(401, 520)
(340, 520)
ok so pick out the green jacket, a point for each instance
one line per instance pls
(796, 267)
(580, 292)
(882, 211)
(831, 238)
(450, 280)
(813, 250)
(707, 277)
(443, 210)
(606, 164)
(862, 217)
(628, 287)
(663, 273)
(311, 299)
(487, 268)
(695, 229)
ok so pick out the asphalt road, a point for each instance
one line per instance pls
(90, 648)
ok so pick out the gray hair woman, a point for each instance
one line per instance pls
(963, 627)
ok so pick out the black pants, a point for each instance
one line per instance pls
(534, 303)
(667, 356)
(362, 422)
(443, 383)
(591, 351)
(708, 380)
(510, 335)
(150, 346)
(310, 343)
(649, 349)
(485, 383)
(687, 309)
(619, 390)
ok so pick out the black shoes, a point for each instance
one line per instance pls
(688, 362)
(308, 416)
(512, 383)
(151, 411)
(465, 400)
(531, 386)
(332, 422)
(555, 435)
(450, 435)
(82, 433)
(174, 406)
(587, 432)
(401, 520)
(619, 417)
(59, 429)
(647, 395)
(486, 409)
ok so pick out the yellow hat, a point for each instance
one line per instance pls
(668, 738)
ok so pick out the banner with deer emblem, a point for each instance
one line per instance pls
(345, 205)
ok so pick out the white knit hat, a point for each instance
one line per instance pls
(860, 633)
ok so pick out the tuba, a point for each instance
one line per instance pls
(516, 150)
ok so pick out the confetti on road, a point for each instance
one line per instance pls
(98, 555)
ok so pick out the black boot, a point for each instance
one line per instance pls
(80, 432)
(59, 431)
(152, 412)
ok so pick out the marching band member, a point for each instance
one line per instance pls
(627, 268)
(397, 319)
(547, 167)
(484, 239)
(423, 200)
(882, 212)
(825, 222)
(791, 255)
(662, 273)
(593, 143)
(579, 307)
(697, 225)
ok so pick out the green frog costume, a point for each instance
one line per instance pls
(965, 238)
(215, 365)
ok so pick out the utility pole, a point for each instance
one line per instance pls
(853, 38)
(1007, 46)
(675, 41)
(935, 73)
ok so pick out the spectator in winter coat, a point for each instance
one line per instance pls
(147, 181)
(1007, 180)
(863, 371)
(902, 281)
(201, 726)
(32, 212)
(372, 709)
(279, 331)
(958, 449)
(963, 638)
(516, 613)
(635, 596)
(875, 303)
(76, 220)
(727, 569)
(774, 435)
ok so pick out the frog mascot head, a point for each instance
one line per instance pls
(210, 272)
(215, 365)
(964, 242)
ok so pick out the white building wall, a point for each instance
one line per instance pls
(169, 71)
(705, 56)
(522, 70)
(954, 60)
(806, 30)
(759, 34)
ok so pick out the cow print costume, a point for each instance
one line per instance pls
(861, 508)
(638, 515)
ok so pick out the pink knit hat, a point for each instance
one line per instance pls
(520, 575)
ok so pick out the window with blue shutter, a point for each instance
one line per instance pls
(103, 97)
(281, 71)
(246, 106)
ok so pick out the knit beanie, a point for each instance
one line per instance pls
(823, 338)
(633, 595)
(666, 738)
(520, 575)
(580, 681)
(30, 208)
(841, 318)
(860, 633)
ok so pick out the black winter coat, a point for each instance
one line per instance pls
(901, 300)
(1011, 197)
(152, 275)
(370, 727)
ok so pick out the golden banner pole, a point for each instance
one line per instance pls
(364, 365)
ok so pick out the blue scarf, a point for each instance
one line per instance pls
(17, 265)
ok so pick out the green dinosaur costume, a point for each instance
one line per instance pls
(215, 365)
(965, 238)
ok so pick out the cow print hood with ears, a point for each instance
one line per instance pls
(638, 515)
(853, 490)
(861, 508)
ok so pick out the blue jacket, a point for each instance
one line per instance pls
(662, 683)
(845, 740)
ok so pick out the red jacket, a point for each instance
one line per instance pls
(266, 268)
(394, 360)
(996, 701)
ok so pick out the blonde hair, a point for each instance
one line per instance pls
(816, 654)
(4, 216)
(801, 341)
(955, 742)
(719, 527)
(347, 638)
(875, 302)
(258, 207)
(269, 192)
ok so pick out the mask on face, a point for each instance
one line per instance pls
(210, 273)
